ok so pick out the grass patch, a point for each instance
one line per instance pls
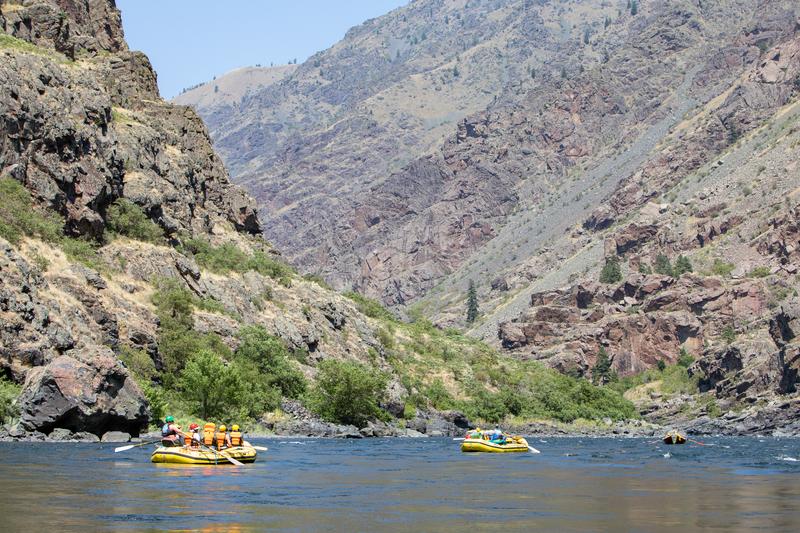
(371, 308)
(8, 42)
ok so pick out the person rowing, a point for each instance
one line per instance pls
(171, 432)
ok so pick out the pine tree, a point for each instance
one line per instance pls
(601, 371)
(634, 7)
(472, 303)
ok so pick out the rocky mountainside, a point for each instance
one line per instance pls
(607, 134)
(130, 265)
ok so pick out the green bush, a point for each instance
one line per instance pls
(348, 392)
(128, 219)
(370, 307)
(601, 371)
(18, 217)
(155, 399)
(318, 279)
(438, 396)
(138, 362)
(662, 266)
(611, 272)
(8, 396)
(177, 339)
(685, 359)
(682, 266)
(728, 334)
(271, 357)
(661, 365)
(721, 268)
(759, 272)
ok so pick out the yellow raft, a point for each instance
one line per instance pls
(203, 456)
(516, 444)
(673, 437)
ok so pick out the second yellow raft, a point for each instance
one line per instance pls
(202, 456)
(517, 444)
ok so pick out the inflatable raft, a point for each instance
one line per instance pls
(514, 444)
(673, 437)
(202, 456)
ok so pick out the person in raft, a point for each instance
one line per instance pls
(193, 439)
(170, 432)
(235, 437)
(223, 438)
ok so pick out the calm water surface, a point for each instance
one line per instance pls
(735, 484)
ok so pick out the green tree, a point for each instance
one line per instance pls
(271, 357)
(207, 384)
(682, 266)
(611, 272)
(8, 396)
(601, 371)
(348, 392)
(472, 303)
(586, 35)
(663, 266)
(634, 7)
(662, 365)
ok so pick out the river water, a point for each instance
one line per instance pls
(575, 484)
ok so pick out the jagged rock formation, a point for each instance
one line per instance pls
(82, 125)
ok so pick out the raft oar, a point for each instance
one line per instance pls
(533, 450)
(259, 448)
(698, 442)
(459, 438)
(130, 446)
(228, 457)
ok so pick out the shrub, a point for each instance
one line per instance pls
(83, 251)
(721, 268)
(348, 392)
(229, 258)
(318, 279)
(685, 359)
(728, 334)
(18, 216)
(662, 266)
(155, 399)
(611, 272)
(759, 272)
(177, 340)
(682, 266)
(661, 365)
(438, 396)
(271, 357)
(128, 219)
(371, 308)
(8, 396)
(138, 362)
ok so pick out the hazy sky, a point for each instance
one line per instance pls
(191, 41)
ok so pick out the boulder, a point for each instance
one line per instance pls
(87, 391)
(115, 436)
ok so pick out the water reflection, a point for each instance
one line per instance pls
(427, 485)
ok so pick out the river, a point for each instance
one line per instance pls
(575, 484)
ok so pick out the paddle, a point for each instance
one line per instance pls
(698, 442)
(459, 438)
(533, 450)
(130, 446)
(228, 457)
(259, 448)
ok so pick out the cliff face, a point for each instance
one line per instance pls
(82, 126)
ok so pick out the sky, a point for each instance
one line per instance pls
(191, 41)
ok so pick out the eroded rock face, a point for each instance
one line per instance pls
(83, 390)
(82, 131)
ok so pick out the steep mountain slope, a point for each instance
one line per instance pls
(129, 261)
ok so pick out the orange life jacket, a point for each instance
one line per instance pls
(220, 440)
(236, 438)
(187, 439)
(208, 434)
